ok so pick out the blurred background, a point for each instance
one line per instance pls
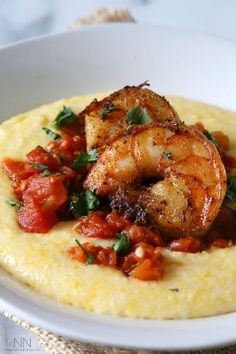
(21, 19)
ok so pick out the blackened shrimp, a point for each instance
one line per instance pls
(105, 118)
(188, 179)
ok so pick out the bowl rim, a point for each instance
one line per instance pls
(38, 315)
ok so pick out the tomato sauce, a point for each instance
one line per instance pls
(48, 187)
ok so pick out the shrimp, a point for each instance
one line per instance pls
(187, 179)
(100, 128)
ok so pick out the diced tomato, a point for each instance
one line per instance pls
(77, 254)
(74, 129)
(95, 225)
(187, 244)
(16, 170)
(228, 161)
(221, 243)
(222, 139)
(34, 218)
(199, 126)
(148, 270)
(49, 191)
(68, 173)
(67, 148)
(136, 234)
(41, 199)
(117, 222)
(41, 156)
(144, 263)
(105, 256)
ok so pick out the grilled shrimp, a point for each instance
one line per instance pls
(104, 119)
(187, 179)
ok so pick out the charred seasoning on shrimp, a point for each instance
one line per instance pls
(190, 177)
(131, 173)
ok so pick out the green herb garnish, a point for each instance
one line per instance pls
(61, 156)
(168, 155)
(65, 116)
(47, 173)
(211, 138)
(14, 203)
(174, 290)
(85, 157)
(121, 246)
(38, 166)
(51, 134)
(90, 257)
(230, 199)
(138, 115)
(231, 188)
(81, 204)
(108, 108)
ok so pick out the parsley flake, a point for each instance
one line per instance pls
(47, 173)
(137, 115)
(230, 199)
(81, 204)
(231, 188)
(65, 116)
(122, 246)
(61, 156)
(168, 155)
(211, 138)
(85, 157)
(176, 290)
(108, 108)
(14, 203)
(90, 257)
(38, 166)
(51, 134)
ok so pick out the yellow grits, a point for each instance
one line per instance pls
(194, 285)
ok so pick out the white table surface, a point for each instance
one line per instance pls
(215, 17)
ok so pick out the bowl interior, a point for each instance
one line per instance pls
(102, 58)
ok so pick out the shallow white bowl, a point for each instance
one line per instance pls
(102, 58)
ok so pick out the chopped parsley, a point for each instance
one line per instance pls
(168, 155)
(90, 257)
(108, 108)
(81, 204)
(44, 167)
(138, 115)
(61, 156)
(230, 199)
(38, 166)
(231, 188)
(211, 138)
(47, 173)
(14, 203)
(85, 157)
(176, 290)
(122, 245)
(65, 116)
(51, 134)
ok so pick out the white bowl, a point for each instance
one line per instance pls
(101, 58)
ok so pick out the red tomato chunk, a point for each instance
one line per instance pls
(105, 256)
(187, 244)
(41, 200)
(41, 156)
(98, 224)
(144, 263)
(136, 234)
